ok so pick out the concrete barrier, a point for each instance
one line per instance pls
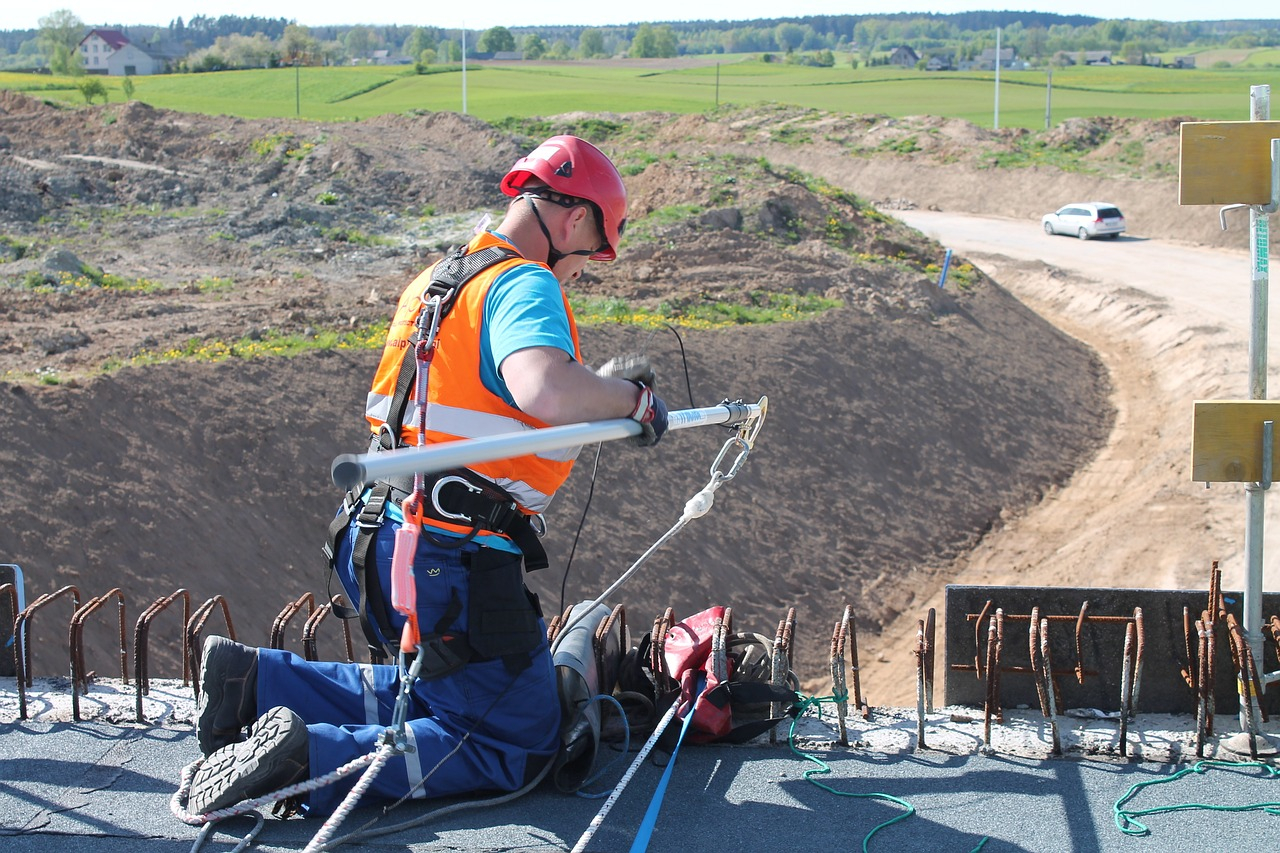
(1162, 688)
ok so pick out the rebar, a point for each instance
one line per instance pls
(780, 663)
(79, 674)
(995, 640)
(286, 615)
(312, 625)
(22, 636)
(1037, 661)
(1191, 672)
(1084, 610)
(195, 625)
(1141, 636)
(1126, 689)
(1204, 721)
(141, 636)
(837, 676)
(1051, 688)
(920, 712)
(930, 636)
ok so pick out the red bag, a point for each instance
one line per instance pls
(687, 653)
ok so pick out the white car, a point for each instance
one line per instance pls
(1085, 220)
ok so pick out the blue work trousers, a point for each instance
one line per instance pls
(485, 727)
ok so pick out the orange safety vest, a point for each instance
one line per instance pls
(459, 405)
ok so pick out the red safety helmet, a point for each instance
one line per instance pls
(574, 167)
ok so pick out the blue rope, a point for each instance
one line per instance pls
(1127, 819)
(645, 831)
(626, 747)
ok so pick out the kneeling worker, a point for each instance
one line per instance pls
(484, 714)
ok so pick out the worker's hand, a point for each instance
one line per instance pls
(633, 366)
(651, 414)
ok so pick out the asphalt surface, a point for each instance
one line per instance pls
(62, 783)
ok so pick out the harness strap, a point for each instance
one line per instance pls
(448, 277)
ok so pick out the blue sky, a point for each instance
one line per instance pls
(18, 15)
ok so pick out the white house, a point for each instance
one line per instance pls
(110, 52)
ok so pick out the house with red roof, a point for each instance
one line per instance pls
(110, 52)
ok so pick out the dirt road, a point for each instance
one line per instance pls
(1171, 322)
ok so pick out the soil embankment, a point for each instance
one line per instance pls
(902, 429)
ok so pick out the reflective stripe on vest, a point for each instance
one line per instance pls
(461, 407)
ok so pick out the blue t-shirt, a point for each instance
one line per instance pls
(524, 308)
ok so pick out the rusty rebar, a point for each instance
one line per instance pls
(286, 615)
(1126, 688)
(1211, 674)
(22, 636)
(992, 663)
(860, 705)
(1080, 620)
(141, 637)
(608, 673)
(657, 651)
(920, 712)
(195, 625)
(1140, 633)
(780, 663)
(720, 645)
(1037, 667)
(1203, 688)
(837, 674)
(79, 673)
(930, 637)
(312, 626)
(1051, 688)
(1191, 672)
(977, 638)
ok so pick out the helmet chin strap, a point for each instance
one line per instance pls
(554, 255)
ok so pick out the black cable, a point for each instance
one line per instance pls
(595, 468)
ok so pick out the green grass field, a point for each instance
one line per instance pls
(497, 91)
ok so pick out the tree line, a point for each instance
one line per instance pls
(207, 43)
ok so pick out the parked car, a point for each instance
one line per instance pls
(1085, 220)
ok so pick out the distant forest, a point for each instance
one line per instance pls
(1035, 35)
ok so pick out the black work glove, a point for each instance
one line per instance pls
(633, 366)
(651, 413)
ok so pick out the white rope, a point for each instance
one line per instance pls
(598, 820)
(384, 753)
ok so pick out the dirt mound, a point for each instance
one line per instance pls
(901, 425)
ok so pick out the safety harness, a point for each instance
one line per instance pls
(458, 496)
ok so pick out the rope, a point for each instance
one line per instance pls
(207, 830)
(331, 824)
(626, 777)
(824, 768)
(626, 747)
(1127, 819)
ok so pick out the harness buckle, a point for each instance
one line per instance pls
(435, 497)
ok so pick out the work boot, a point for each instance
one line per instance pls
(275, 755)
(228, 693)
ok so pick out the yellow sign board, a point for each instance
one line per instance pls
(1226, 440)
(1226, 162)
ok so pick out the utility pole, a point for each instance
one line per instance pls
(1048, 97)
(997, 121)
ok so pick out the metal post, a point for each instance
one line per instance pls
(464, 68)
(1048, 97)
(997, 121)
(1259, 246)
